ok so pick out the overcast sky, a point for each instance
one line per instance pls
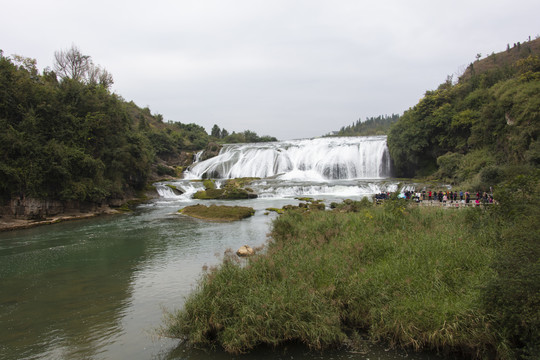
(290, 69)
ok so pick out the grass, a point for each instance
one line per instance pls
(218, 212)
(409, 277)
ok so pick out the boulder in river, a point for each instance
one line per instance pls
(245, 250)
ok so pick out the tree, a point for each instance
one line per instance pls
(224, 133)
(216, 131)
(72, 64)
(250, 136)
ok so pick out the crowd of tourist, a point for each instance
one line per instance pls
(442, 197)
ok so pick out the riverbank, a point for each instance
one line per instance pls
(26, 213)
(9, 223)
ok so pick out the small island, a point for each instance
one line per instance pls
(234, 189)
(218, 212)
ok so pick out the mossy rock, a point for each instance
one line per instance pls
(302, 207)
(209, 194)
(209, 184)
(241, 182)
(277, 210)
(232, 190)
(234, 194)
(218, 212)
(175, 190)
(306, 199)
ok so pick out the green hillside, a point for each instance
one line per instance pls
(66, 136)
(479, 129)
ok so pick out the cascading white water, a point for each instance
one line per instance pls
(187, 190)
(312, 160)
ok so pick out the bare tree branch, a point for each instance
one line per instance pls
(72, 64)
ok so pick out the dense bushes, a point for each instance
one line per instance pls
(65, 139)
(512, 296)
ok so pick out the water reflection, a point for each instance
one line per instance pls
(62, 295)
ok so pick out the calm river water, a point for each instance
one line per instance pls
(96, 289)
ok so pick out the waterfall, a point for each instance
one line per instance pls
(187, 189)
(197, 156)
(313, 160)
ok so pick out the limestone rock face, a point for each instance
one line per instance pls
(245, 251)
(39, 209)
(29, 208)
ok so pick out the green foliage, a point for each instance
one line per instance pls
(349, 205)
(493, 111)
(513, 295)
(165, 170)
(216, 131)
(209, 184)
(246, 137)
(371, 126)
(448, 165)
(66, 140)
(65, 136)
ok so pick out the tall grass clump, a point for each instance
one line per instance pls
(410, 277)
(513, 294)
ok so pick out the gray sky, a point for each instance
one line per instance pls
(291, 69)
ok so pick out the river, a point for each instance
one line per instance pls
(97, 288)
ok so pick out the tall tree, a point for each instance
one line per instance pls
(216, 131)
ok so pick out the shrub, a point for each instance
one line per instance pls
(448, 165)
(165, 170)
(513, 295)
